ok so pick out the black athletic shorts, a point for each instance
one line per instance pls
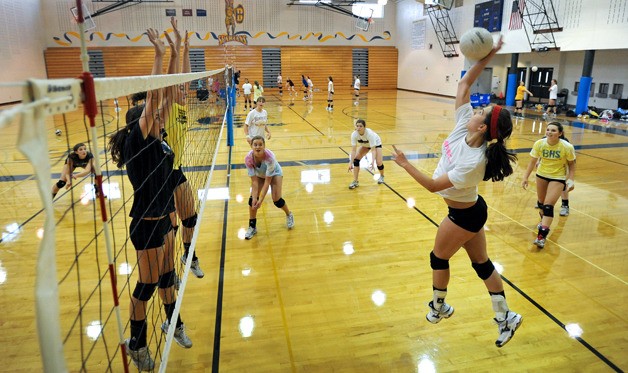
(471, 219)
(149, 234)
(554, 180)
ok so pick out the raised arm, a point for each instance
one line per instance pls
(464, 85)
(175, 47)
(150, 113)
(187, 67)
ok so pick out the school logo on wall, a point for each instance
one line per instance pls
(233, 15)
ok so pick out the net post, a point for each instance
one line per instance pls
(230, 106)
(90, 107)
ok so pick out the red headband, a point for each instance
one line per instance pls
(494, 116)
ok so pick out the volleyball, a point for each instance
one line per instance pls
(58, 132)
(534, 69)
(476, 43)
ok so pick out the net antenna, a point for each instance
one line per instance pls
(90, 107)
(364, 19)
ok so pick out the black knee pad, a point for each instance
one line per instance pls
(143, 291)
(548, 210)
(190, 222)
(484, 270)
(519, 108)
(438, 263)
(175, 229)
(251, 201)
(380, 167)
(166, 280)
(356, 163)
(60, 184)
(279, 203)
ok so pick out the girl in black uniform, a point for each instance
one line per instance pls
(79, 157)
(149, 162)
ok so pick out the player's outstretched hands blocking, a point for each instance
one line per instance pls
(153, 37)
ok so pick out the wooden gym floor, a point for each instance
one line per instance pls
(346, 289)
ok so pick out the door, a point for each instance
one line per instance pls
(541, 81)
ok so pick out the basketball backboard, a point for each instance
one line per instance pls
(447, 4)
(364, 19)
(87, 17)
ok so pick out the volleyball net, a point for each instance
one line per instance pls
(88, 268)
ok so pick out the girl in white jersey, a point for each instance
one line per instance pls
(265, 172)
(356, 89)
(247, 88)
(256, 122)
(553, 96)
(330, 94)
(367, 140)
(467, 160)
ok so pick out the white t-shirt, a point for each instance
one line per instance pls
(356, 84)
(246, 88)
(330, 87)
(370, 139)
(553, 92)
(310, 85)
(464, 165)
(279, 80)
(256, 121)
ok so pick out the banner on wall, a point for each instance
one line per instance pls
(418, 34)
(201, 13)
(171, 12)
(233, 15)
(187, 12)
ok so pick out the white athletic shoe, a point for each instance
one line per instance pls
(290, 221)
(250, 233)
(354, 184)
(435, 316)
(141, 358)
(180, 337)
(195, 267)
(507, 327)
(564, 211)
(380, 180)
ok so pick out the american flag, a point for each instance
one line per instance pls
(515, 16)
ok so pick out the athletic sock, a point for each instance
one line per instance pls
(138, 334)
(169, 308)
(186, 246)
(499, 305)
(438, 297)
(252, 223)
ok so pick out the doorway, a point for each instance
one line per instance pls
(540, 82)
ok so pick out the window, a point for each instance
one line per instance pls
(618, 90)
(603, 92)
